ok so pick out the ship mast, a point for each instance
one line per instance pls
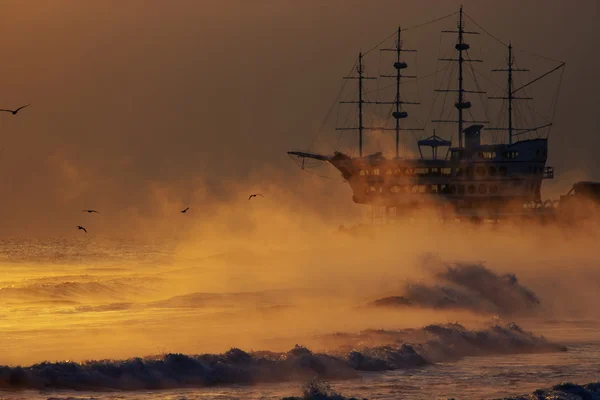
(509, 93)
(461, 103)
(360, 77)
(399, 66)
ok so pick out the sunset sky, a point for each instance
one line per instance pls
(134, 98)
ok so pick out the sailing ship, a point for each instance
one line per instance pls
(467, 177)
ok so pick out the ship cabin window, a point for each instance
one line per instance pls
(482, 189)
(471, 189)
(410, 171)
(362, 171)
(480, 171)
(502, 171)
(453, 189)
(433, 188)
(455, 155)
(418, 189)
(376, 171)
(445, 188)
(446, 171)
(492, 171)
(371, 190)
(395, 189)
(388, 171)
(511, 154)
(488, 155)
(459, 171)
(421, 171)
(469, 171)
(461, 189)
(399, 171)
(493, 189)
(434, 171)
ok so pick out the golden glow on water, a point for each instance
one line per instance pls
(300, 277)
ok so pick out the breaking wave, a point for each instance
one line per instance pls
(472, 287)
(364, 351)
(566, 391)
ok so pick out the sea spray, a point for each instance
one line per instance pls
(430, 344)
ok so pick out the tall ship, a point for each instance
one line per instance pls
(458, 170)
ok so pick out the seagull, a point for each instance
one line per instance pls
(254, 195)
(184, 211)
(90, 211)
(14, 112)
(81, 228)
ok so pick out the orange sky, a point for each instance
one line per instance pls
(196, 96)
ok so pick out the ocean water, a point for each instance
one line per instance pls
(106, 319)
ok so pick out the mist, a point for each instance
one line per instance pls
(140, 110)
(140, 104)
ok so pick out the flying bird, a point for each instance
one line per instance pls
(90, 211)
(184, 211)
(254, 195)
(14, 112)
(81, 228)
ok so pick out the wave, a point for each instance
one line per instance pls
(467, 286)
(319, 390)
(100, 308)
(79, 288)
(564, 391)
(430, 344)
(220, 300)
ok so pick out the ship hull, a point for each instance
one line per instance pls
(492, 177)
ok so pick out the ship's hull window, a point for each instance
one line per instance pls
(461, 189)
(492, 171)
(480, 171)
(471, 189)
(511, 154)
(487, 154)
(395, 189)
(469, 171)
(446, 171)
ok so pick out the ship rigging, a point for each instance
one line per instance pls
(470, 177)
